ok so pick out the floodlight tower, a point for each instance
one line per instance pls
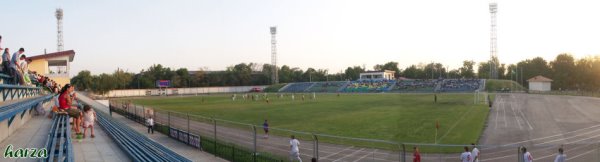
(275, 77)
(59, 16)
(493, 42)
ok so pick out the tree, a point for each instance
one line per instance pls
(454, 74)
(285, 74)
(393, 66)
(563, 70)
(533, 67)
(83, 80)
(466, 70)
(502, 71)
(484, 70)
(512, 72)
(182, 78)
(584, 74)
(121, 79)
(433, 71)
(414, 72)
(353, 73)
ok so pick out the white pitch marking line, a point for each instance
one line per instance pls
(526, 120)
(504, 114)
(560, 139)
(496, 119)
(587, 152)
(455, 123)
(364, 156)
(551, 136)
(516, 116)
(335, 153)
(357, 151)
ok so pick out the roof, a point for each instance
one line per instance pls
(69, 53)
(381, 71)
(539, 78)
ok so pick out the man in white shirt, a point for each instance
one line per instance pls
(561, 157)
(150, 124)
(475, 153)
(465, 156)
(526, 155)
(295, 151)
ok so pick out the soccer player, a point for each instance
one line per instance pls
(526, 155)
(465, 156)
(292, 97)
(295, 151)
(561, 157)
(475, 153)
(266, 128)
(416, 154)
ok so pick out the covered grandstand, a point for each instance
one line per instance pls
(388, 86)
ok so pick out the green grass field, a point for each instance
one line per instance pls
(493, 85)
(393, 117)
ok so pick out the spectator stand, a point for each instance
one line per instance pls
(327, 87)
(416, 86)
(460, 85)
(365, 86)
(297, 87)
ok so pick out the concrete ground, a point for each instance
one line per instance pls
(543, 123)
(100, 148)
(35, 133)
(178, 147)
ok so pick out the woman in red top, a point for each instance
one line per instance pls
(65, 102)
(416, 155)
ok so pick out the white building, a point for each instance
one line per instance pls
(377, 75)
(539, 83)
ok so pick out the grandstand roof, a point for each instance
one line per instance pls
(69, 53)
(380, 71)
(539, 78)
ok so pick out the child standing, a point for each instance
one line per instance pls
(89, 117)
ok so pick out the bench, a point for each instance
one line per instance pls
(10, 111)
(58, 143)
(136, 145)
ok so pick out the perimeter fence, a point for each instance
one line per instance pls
(235, 141)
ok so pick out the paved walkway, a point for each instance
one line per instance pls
(100, 148)
(31, 135)
(178, 147)
(35, 133)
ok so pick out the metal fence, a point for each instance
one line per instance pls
(237, 141)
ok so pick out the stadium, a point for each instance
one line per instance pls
(221, 101)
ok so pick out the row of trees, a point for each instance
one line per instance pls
(567, 72)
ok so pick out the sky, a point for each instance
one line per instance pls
(323, 34)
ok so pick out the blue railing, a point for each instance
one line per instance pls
(11, 92)
(6, 79)
(137, 146)
(11, 110)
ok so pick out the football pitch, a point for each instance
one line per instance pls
(393, 117)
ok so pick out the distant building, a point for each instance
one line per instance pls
(540, 83)
(55, 66)
(377, 75)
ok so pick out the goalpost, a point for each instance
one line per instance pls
(480, 97)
